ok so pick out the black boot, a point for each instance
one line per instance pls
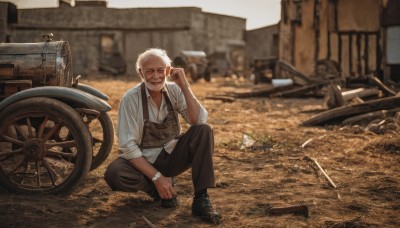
(202, 207)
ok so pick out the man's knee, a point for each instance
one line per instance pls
(204, 128)
(112, 174)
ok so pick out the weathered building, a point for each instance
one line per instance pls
(8, 17)
(391, 27)
(102, 37)
(262, 43)
(349, 32)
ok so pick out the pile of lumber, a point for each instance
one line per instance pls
(383, 111)
(371, 103)
(303, 86)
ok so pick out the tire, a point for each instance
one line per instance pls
(193, 72)
(207, 77)
(101, 146)
(257, 78)
(45, 147)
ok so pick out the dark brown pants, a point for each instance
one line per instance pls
(194, 149)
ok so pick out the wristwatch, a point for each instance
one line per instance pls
(158, 174)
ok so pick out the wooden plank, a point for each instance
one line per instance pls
(296, 210)
(360, 92)
(368, 117)
(334, 97)
(374, 80)
(304, 89)
(298, 77)
(338, 114)
(221, 98)
(296, 91)
(263, 93)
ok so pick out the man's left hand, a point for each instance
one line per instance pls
(178, 76)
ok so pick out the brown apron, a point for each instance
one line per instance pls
(156, 135)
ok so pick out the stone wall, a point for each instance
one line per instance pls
(262, 43)
(132, 31)
(8, 17)
(225, 43)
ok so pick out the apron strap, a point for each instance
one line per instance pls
(145, 106)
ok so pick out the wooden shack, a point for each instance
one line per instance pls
(348, 32)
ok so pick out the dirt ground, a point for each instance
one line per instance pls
(250, 179)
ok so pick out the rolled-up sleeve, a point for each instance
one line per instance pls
(182, 108)
(128, 130)
(203, 115)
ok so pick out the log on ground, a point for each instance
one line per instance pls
(337, 115)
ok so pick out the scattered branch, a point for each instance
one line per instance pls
(322, 170)
(148, 222)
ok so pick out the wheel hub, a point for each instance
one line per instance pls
(34, 149)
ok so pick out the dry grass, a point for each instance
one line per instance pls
(272, 172)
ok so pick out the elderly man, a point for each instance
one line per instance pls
(152, 149)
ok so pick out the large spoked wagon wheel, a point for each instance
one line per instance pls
(45, 147)
(102, 130)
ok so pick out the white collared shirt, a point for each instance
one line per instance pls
(130, 120)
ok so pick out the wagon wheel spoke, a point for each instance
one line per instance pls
(13, 152)
(28, 121)
(42, 126)
(39, 184)
(20, 131)
(50, 171)
(12, 140)
(17, 167)
(5, 158)
(63, 144)
(62, 154)
(53, 130)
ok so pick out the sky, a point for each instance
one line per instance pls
(259, 13)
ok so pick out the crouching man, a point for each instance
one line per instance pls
(152, 149)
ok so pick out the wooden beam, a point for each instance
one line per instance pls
(360, 92)
(374, 80)
(368, 117)
(333, 97)
(336, 115)
(262, 92)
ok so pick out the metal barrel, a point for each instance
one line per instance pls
(45, 64)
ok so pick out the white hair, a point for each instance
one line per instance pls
(152, 52)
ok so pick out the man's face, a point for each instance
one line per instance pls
(154, 72)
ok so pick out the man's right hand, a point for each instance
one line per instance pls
(165, 188)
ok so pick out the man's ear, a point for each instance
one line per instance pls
(141, 74)
(168, 70)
